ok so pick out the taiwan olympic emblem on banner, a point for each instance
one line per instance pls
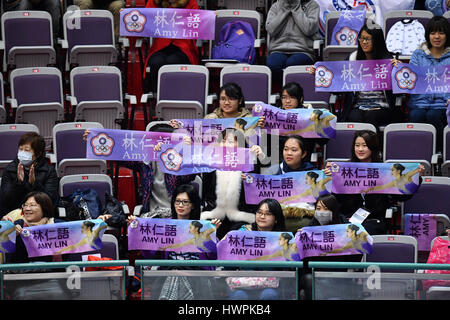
(411, 79)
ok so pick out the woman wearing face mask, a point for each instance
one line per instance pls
(29, 172)
(327, 212)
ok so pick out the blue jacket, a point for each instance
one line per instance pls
(422, 57)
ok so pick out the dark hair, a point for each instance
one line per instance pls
(194, 198)
(36, 142)
(197, 224)
(241, 122)
(371, 139)
(312, 175)
(294, 90)
(275, 209)
(379, 49)
(44, 201)
(353, 227)
(232, 90)
(332, 204)
(318, 112)
(287, 236)
(238, 136)
(301, 143)
(399, 167)
(162, 127)
(89, 224)
(437, 24)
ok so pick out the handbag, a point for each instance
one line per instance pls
(440, 253)
(249, 283)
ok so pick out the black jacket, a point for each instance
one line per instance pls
(13, 191)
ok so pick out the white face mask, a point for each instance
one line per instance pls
(324, 217)
(25, 157)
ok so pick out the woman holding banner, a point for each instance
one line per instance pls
(366, 148)
(374, 107)
(431, 108)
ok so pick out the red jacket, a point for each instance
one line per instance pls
(188, 47)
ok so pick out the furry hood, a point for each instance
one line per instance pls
(427, 51)
(166, 3)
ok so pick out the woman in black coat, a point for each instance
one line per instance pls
(29, 172)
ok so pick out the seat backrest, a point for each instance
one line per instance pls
(397, 138)
(340, 147)
(96, 83)
(430, 197)
(183, 82)
(26, 29)
(36, 85)
(68, 139)
(254, 80)
(9, 138)
(442, 237)
(393, 248)
(88, 27)
(301, 75)
(224, 16)
(101, 183)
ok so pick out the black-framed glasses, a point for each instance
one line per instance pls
(365, 39)
(262, 214)
(182, 202)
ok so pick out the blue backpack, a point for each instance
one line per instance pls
(236, 41)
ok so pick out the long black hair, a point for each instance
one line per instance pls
(194, 198)
(332, 204)
(379, 49)
(275, 209)
(372, 143)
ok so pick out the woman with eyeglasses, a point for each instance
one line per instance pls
(185, 205)
(374, 107)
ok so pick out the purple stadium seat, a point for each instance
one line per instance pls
(28, 39)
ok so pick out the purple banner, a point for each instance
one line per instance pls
(423, 227)
(288, 188)
(209, 130)
(258, 245)
(172, 235)
(359, 75)
(185, 159)
(385, 178)
(126, 145)
(7, 237)
(333, 240)
(167, 23)
(308, 123)
(408, 78)
(62, 238)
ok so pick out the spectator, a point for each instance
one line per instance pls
(365, 148)
(170, 51)
(294, 154)
(430, 108)
(30, 171)
(292, 26)
(269, 217)
(231, 103)
(374, 107)
(185, 204)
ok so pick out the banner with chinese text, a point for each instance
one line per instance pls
(258, 245)
(333, 240)
(423, 227)
(126, 145)
(62, 238)
(384, 178)
(185, 159)
(288, 188)
(172, 235)
(359, 75)
(168, 23)
(411, 79)
(308, 123)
